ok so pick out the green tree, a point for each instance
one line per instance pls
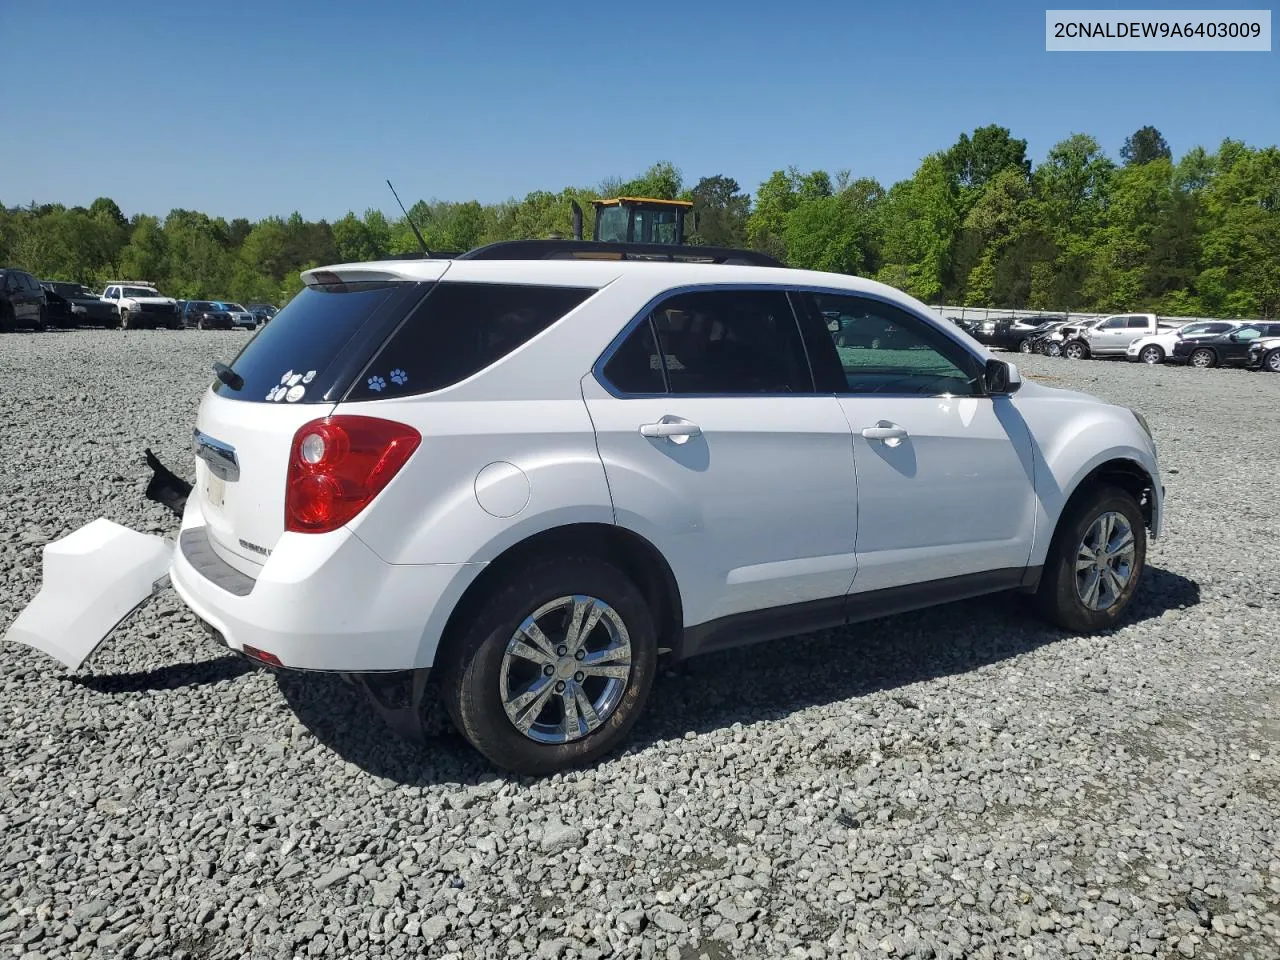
(721, 209)
(1144, 146)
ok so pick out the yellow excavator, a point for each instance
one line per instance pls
(637, 220)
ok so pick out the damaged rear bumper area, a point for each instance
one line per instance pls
(93, 579)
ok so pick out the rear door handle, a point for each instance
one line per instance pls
(889, 432)
(672, 428)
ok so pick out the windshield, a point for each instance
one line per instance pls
(140, 292)
(235, 307)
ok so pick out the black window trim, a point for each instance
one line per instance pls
(790, 289)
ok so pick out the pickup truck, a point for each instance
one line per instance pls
(138, 304)
(1111, 336)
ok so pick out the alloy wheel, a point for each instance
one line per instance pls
(1152, 355)
(1202, 359)
(1272, 361)
(1104, 561)
(565, 669)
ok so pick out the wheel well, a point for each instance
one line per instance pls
(633, 554)
(1125, 474)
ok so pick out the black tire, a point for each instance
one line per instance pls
(200, 324)
(1203, 358)
(1151, 354)
(124, 319)
(471, 675)
(1075, 350)
(1059, 594)
(1024, 346)
(1271, 361)
(1053, 349)
(42, 321)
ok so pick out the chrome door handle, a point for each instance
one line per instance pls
(672, 428)
(891, 433)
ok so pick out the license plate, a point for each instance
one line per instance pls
(215, 490)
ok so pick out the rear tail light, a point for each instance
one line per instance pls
(338, 465)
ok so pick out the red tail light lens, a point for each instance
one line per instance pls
(338, 465)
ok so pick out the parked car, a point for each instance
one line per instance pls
(22, 301)
(82, 304)
(1021, 335)
(263, 312)
(1264, 354)
(541, 482)
(1156, 348)
(206, 315)
(1226, 350)
(1049, 342)
(1110, 336)
(240, 316)
(139, 304)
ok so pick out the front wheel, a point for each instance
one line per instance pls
(1151, 354)
(555, 667)
(1203, 359)
(1095, 561)
(1075, 350)
(1272, 361)
(124, 320)
(1024, 346)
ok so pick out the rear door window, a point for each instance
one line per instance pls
(457, 331)
(320, 341)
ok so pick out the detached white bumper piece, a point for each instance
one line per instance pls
(93, 579)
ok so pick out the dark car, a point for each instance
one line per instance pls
(22, 302)
(263, 312)
(1228, 350)
(206, 315)
(80, 303)
(1010, 333)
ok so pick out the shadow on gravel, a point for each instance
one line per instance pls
(765, 681)
(167, 678)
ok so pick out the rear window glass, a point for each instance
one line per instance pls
(309, 352)
(459, 329)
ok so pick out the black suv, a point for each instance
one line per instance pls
(21, 300)
(206, 315)
(1228, 350)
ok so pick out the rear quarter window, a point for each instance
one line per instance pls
(457, 331)
(319, 341)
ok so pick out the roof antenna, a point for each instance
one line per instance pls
(413, 226)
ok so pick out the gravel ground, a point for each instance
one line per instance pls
(955, 783)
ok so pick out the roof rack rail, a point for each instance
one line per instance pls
(599, 250)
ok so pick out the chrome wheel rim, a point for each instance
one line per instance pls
(1024, 347)
(1104, 561)
(1273, 362)
(1054, 350)
(565, 669)
(1151, 355)
(1074, 352)
(1201, 358)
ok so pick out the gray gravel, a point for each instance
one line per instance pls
(955, 783)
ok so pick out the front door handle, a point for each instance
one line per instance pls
(890, 433)
(672, 428)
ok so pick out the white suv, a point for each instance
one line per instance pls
(139, 304)
(535, 475)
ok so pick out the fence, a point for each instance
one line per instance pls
(986, 313)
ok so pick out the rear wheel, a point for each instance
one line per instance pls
(1095, 561)
(42, 320)
(1151, 354)
(1203, 358)
(1053, 349)
(555, 667)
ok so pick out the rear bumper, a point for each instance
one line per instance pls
(323, 602)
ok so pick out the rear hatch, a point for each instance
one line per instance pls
(294, 370)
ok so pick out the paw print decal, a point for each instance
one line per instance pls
(377, 383)
(399, 377)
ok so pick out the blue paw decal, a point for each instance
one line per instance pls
(377, 383)
(399, 377)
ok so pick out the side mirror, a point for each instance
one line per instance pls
(1001, 377)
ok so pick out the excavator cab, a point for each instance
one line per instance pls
(637, 220)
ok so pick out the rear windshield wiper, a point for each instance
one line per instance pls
(228, 376)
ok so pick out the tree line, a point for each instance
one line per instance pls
(976, 224)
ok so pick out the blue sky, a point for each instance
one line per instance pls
(251, 109)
